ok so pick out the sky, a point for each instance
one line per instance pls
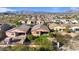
(39, 9)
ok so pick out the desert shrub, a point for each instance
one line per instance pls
(43, 42)
(51, 34)
(76, 37)
(17, 23)
(18, 47)
(2, 35)
(30, 37)
(67, 29)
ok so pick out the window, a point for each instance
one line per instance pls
(37, 32)
(77, 29)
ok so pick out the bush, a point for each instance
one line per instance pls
(30, 37)
(18, 48)
(67, 29)
(76, 37)
(59, 37)
(41, 40)
(2, 35)
(44, 43)
(44, 49)
(17, 23)
(51, 34)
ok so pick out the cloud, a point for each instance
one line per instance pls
(5, 9)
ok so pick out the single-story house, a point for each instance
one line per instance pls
(63, 21)
(31, 22)
(39, 21)
(74, 29)
(23, 21)
(39, 29)
(52, 25)
(74, 21)
(57, 27)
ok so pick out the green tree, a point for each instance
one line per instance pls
(52, 34)
(44, 43)
(17, 23)
(41, 40)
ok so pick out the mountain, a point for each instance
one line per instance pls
(7, 13)
(72, 11)
(41, 12)
(30, 12)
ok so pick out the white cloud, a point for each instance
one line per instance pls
(5, 9)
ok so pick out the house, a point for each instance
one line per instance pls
(23, 21)
(63, 21)
(39, 21)
(74, 21)
(52, 25)
(57, 27)
(31, 22)
(75, 29)
(18, 33)
(40, 29)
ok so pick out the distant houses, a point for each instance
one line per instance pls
(65, 21)
(37, 26)
(39, 22)
(75, 29)
(18, 34)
